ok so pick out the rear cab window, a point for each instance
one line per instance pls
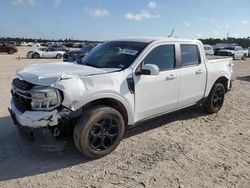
(190, 55)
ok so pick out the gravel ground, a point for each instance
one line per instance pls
(183, 149)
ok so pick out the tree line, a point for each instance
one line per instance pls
(244, 42)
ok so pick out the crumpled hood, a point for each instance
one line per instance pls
(47, 74)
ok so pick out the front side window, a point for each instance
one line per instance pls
(189, 55)
(162, 56)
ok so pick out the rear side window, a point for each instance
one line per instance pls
(162, 56)
(51, 49)
(189, 55)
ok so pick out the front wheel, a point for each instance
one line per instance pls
(215, 99)
(36, 56)
(244, 57)
(99, 131)
(11, 51)
(59, 56)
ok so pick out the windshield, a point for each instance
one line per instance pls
(229, 48)
(114, 54)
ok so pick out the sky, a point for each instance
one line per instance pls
(110, 19)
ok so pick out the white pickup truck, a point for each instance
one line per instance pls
(236, 52)
(118, 84)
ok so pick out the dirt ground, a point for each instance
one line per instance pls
(183, 149)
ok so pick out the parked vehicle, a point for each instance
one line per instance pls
(59, 47)
(24, 44)
(49, 43)
(236, 52)
(77, 45)
(208, 50)
(12, 43)
(46, 53)
(216, 50)
(7, 48)
(248, 51)
(118, 84)
(76, 55)
(30, 44)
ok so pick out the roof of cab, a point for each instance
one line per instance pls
(153, 39)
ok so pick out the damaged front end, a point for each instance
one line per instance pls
(39, 115)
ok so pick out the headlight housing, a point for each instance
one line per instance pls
(45, 98)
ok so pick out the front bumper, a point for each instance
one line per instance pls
(36, 131)
(36, 119)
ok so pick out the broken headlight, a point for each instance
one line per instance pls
(45, 98)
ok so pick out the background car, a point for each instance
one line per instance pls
(233, 51)
(49, 52)
(76, 55)
(59, 47)
(216, 50)
(7, 48)
(208, 49)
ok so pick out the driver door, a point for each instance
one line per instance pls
(157, 94)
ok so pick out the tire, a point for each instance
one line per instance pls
(11, 51)
(59, 56)
(215, 99)
(244, 57)
(36, 56)
(99, 131)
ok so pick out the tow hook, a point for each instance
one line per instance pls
(56, 132)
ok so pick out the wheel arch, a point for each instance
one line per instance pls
(223, 80)
(111, 102)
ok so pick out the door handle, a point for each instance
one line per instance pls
(198, 71)
(171, 77)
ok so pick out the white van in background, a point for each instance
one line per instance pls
(208, 49)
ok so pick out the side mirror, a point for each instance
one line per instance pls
(149, 69)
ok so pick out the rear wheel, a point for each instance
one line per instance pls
(36, 56)
(99, 131)
(11, 51)
(59, 56)
(215, 99)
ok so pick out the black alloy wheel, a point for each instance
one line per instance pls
(103, 134)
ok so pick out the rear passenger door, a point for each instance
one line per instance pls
(192, 75)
